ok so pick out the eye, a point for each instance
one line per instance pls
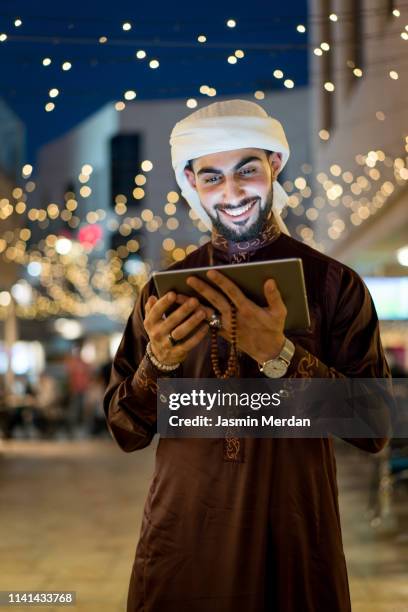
(215, 178)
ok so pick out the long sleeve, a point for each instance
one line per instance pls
(353, 344)
(131, 395)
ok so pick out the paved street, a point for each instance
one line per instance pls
(71, 512)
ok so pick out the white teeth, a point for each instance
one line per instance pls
(239, 211)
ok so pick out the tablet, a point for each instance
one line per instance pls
(250, 278)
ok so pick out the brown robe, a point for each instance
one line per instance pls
(249, 525)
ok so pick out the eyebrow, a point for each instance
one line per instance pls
(243, 162)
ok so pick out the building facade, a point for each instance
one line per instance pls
(360, 144)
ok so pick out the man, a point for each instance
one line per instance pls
(240, 524)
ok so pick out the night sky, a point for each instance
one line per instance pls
(168, 32)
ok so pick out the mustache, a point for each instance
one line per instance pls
(243, 202)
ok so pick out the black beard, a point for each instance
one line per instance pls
(253, 231)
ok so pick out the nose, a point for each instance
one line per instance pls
(233, 191)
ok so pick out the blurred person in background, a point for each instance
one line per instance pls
(48, 410)
(395, 363)
(19, 408)
(94, 415)
(390, 467)
(78, 376)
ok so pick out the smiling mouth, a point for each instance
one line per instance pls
(239, 212)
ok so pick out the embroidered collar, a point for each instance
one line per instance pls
(269, 233)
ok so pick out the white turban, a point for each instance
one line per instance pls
(225, 126)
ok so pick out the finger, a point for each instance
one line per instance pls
(152, 299)
(181, 299)
(178, 315)
(195, 339)
(189, 325)
(228, 287)
(216, 298)
(160, 307)
(273, 297)
(209, 311)
(271, 292)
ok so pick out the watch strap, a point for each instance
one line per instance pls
(286, 355)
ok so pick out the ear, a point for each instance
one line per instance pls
(275, 161)
(190, 177)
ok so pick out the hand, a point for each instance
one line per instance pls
(259, 329)
(180, 323)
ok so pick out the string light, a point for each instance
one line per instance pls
(333, 17)
(63, 246)
(140, 54)
(130, 94)
(324, 134)
(173, 197)
(85, 191)
(138, 193)
(301, 28)
(126, 26)
(140, 179)
(66, 66)
(402, 256)
(201, 38)
(87, 169)
(170, 209)
(5, 298)
(231, 23)
(154, 64)
(26, 171)
(146, 165)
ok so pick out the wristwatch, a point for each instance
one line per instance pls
(277, 367)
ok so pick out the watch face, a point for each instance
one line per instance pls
(275, 368)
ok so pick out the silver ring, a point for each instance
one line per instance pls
(173, 342)
(215, 321)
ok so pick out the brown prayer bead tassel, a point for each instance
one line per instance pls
(232, 364)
